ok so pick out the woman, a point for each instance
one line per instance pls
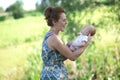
(54, 51)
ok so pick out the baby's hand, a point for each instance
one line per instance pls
(82, 44)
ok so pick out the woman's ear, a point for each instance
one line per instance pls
(54, 22)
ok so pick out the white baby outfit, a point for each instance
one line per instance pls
(78, 41)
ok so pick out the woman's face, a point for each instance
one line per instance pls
(61, 23)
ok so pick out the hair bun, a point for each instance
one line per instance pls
(48, 12)
(49, 9)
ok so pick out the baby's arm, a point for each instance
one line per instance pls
(82, 44)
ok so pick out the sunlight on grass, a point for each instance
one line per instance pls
(17, 39)
(23, 30)
(13, 60)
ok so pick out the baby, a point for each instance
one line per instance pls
(82, 38)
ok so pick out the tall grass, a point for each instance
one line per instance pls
(20, 31)
(16, 42)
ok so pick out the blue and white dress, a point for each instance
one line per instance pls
(53, 66)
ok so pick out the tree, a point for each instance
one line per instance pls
(16, 9)
(74, 6)
(45, 3)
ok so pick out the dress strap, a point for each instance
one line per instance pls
(48, 34)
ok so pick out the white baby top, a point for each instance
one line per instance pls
(79, 39)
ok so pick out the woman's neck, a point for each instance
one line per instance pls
(54, 30)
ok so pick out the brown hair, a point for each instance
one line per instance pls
(91, 30)
(53, 14)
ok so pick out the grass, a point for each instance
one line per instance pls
(15, 32)
(17, 39)
(12, 59)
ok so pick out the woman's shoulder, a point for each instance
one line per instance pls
(54, 41)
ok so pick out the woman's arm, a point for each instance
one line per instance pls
(55, 43)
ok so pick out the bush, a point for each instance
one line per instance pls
(2, 18)
(16, 9)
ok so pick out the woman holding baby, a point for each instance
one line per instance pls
(54, 51)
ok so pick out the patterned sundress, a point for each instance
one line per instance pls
(53, 66)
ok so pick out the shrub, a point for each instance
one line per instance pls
(2, 18)
(16, 9)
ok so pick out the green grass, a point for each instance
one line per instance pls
(11, 60)
(18, 37)
(13, 32)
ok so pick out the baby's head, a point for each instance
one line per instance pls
(88, 29)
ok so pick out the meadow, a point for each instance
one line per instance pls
(20, 47)
(17, 39)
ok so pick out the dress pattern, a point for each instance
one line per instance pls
(53, 66)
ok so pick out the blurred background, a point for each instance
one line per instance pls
(22, 28)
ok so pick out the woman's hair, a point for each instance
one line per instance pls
(53, 14)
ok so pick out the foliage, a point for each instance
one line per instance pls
(2, 14)
(34, 64)
(16, 9)
(17, 38)
(87, 10)
(71, 5)
(2, 18)
(12, 62)
(1, 10)
(45, 3)
(100, 59)
(32, 13)
(25, 30)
